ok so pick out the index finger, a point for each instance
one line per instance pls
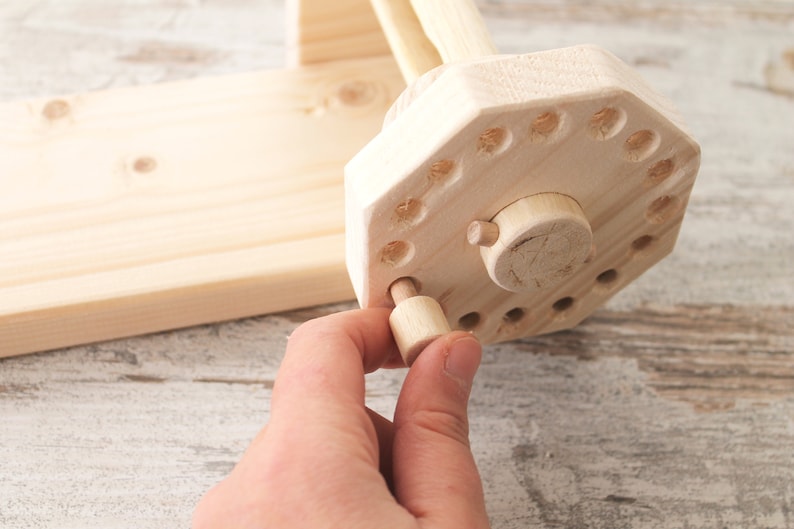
(326, 358)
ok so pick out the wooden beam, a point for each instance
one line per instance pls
(142, 209)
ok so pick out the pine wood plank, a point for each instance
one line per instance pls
(137, 210)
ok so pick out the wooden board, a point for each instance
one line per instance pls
(137, 210)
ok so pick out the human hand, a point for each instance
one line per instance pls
(327, 461)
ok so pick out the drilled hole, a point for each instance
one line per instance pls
(396, 253)
(469, 321)
(408, 212)
(492, 141)
(660, 171)
(543, 126)
(641, 243)
(514, 315)
(607, 277)
(563, 304)
(605, 123)
(662, 209)
(441, 171)
(640, 145)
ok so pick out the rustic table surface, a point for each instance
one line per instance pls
(673, 406)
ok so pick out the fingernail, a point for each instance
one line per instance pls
(463, 359)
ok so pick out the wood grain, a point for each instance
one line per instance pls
(672, 407)
(480, 139)
(711, 356)
(131, 211)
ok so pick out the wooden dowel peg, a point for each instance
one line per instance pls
(415, 321)
(456, 28)
(482, 233)
(412, 50)
(424, 34)
(403, 289)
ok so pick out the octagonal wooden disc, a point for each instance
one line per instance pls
(476, 137)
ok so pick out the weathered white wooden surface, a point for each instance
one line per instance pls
(672, 407)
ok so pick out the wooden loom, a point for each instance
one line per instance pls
(150, 208)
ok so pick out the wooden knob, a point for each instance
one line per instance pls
(542, 239)
(415, 321)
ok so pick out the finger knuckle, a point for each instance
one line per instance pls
(446, 423)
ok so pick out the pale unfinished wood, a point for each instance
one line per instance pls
(543, 240)
(484, 134)
(144, 209)
(402, 289)
(456, 28)
(415, 321)
(423, 35)
(321, 31)
(412, 50)
(482, 233)
(535, 242)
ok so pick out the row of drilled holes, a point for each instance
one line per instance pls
(470, 321)
(604, 124)
(411, 210)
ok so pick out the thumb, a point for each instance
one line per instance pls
(435, 476)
